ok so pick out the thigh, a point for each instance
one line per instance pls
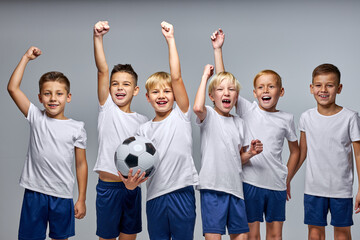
(157, 218)
(182, 213)
(275, 207)
(254, 230)
(274, 230)
(316, 209)
(341, 210)
(255, 202)
(214, 210)
(61, 218)
(237, 220)
(34, 216)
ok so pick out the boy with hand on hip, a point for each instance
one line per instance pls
(223, 145)
(47, 174)
(118, 201)
(170, 206)
(266, 178)
(328, 134)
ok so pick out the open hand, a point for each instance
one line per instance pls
(218, 38)
(131, 182)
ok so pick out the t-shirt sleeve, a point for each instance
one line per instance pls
(108, 103)
(354, 128)
(184, 116)
(81, 138)
(242, 106)
(204, 122)
(291, 131)
(302, 123)
(33, 113)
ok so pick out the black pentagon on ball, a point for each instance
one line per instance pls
(128, 140)
(150, 148)
(131, 161)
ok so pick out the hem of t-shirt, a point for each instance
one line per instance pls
(168, 190)
(340, 195)
(46, 192)
(97, 170)
(199, 187)
(265, 187)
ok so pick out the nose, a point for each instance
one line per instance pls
(323, 88)
(226, 92)
(266, 89)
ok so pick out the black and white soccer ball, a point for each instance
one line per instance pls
(136, 153)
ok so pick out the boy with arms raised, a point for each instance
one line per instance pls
(327, 133)
(266, 178)
(170, 204)
(223, 144)
(47, 174)
(118, 201)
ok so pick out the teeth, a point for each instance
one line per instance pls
(266, 98)
(226, 101)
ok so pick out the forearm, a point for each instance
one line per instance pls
(245, 156)
(199, 104)
(99, 55)
(292, 165)
(219, 63)
(81, 172)
(17, 75)
(174, 61)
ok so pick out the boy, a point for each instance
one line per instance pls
(170, 204)
(222, 136)
(266, 178)
(118, 200)
(47, 174)
(327, 133)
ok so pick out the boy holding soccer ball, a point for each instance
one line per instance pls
(223, 150)
(47, 174)
(118, 201)
(170, 204)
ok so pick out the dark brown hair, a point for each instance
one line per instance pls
(326, 68)
(54, 77)
(125, 68)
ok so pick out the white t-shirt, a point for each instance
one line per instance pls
(172, 138)
(266, 170)
(114, 126)
(221, 141)
(329, 169)
(48, 166)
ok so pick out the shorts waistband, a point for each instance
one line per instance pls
(104, 184)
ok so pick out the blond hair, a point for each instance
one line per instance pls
(162, 78)
(221, 76)
(270, 72)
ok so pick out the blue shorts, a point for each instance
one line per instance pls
(260, 201)
(118, 210)
(219, 209)
(172, 215)
(316, 210)
(39, 209)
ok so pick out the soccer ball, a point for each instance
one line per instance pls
(136, 153)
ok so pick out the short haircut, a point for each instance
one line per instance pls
(326, 68)
(127, 68)
(219, 77)
(54, 77)
(269, 72)
(162, 78)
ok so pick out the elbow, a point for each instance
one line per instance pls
(198, 109)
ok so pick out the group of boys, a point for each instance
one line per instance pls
(242, 175)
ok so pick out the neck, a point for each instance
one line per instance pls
(161, 115)
(329, 110)
(125, 108)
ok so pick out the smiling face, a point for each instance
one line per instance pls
(123, 89)
(267, 91)
(161, 98)
(224, 97)
(54, 96)
(324, 88)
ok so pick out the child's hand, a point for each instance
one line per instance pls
(131, 182)
(101, 28)
(256, 147)
(357, 203)
(217, 39)
(80, 209)
(167, 30)
(32, 53)
(208, 71)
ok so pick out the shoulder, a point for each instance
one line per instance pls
(308, 112)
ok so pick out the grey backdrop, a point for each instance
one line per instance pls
(291, 37)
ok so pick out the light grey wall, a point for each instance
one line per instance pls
(291, 37)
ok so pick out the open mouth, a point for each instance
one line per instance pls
(323, 96)
(120, 95)
(161, 103)
(52, 105)
(266, 98)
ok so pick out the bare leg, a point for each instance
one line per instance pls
(212, 236)
(316, 232)
(342, 233)
(254, 233)
(241, 236)
(274, 230)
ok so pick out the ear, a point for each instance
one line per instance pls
(282, 92)
(339, 89)
(147, 97)
(68, 98)
(311, 88)
(254, 92)
(40, 99)
(211, 97)
(136, 91)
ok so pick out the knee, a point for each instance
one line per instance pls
(274, 236)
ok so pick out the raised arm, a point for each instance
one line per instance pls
(19, 97)
(100, 29)
(82, 176)
(199, 104)
(217, 39)
(180, 94)
(356, 146)
(292, 164)
(256, 147)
